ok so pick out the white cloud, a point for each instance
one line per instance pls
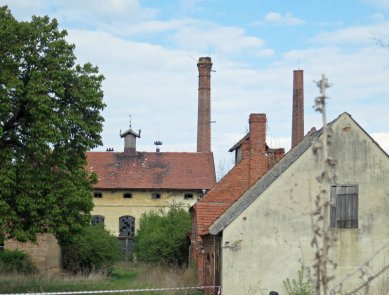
(105, 10)
(191, 5)
(379, 17)
(354, 35)
(287, 19)
(221, 39)
(157, 85)
(90, 13)
(379, 3)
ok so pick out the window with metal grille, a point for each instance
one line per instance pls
(98, 219)
(344, 206)
(126, 226)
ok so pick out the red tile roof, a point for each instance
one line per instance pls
(226, 192)
(151, 170)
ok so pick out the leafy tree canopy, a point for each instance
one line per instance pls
(49, 117)
(163, 236)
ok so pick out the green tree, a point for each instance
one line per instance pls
(163, 236)
(49, 117)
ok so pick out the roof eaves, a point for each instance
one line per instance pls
(239, 143)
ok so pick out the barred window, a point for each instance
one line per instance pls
(344, 206)
(97, 219)
(126, 226)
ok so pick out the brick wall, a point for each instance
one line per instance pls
(204, 105)
(253, 165)
(258, 163)
(298, 107)
(45, 253)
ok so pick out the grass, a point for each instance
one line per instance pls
(124, 276)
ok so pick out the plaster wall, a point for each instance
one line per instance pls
(271, 239)
(113, 205)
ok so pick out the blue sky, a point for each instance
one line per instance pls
(147, 51)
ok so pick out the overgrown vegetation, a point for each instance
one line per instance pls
(162, 237)
(301, 286)
(123, 277)
(93, 249)
(15, 261)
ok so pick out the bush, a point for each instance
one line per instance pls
(163, 236)
(301, 286)
(93, 249)
(15, 261)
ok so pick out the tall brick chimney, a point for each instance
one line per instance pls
(204, 105)
(258, 161)
(298, 107)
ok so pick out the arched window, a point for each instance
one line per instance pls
(97, 219)
(127, 226)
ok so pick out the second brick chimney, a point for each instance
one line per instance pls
(298, 107)
(258, 161)
(204, 105)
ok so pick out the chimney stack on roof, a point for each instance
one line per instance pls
(157, 143)
(130, 141)
(258, 161)
(298, 107)
(204, 105)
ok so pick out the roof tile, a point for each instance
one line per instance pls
(150, 170)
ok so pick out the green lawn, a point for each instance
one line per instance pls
(123, 277)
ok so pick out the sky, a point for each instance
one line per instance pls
(148, 52)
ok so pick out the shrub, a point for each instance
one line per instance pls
(301, 286)
(93, 249)
(163, 236)
(15, 261)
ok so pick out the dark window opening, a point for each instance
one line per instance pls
(344, 206)
(188, 196)
(97, 195)
(156, 195)
(127, 226)
(98, 219)
(127, 195)
(1, 246)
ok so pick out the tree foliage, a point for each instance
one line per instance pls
(93, 249)
(163, 236)
(49, 117)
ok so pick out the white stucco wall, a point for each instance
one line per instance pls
(270, 240)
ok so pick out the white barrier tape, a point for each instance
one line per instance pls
(115, 291)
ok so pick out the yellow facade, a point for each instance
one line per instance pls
(112, 204)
